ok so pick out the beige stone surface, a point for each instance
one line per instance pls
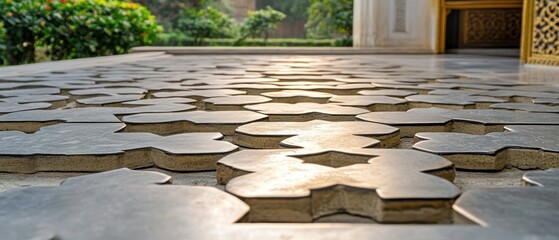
(173, 95)
(287, 185)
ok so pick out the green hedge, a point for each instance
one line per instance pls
(178, 39)
(3, 57)
(74, 28)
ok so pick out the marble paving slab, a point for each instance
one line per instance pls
(12, 107)
(312, 161)
(30, 121)
(371, 103)
(199, 94)
(224, 122)
(97, 147)
(111, 200)
(475, 121)
(452, 101)
(281, 186)
(233, 102)
(387, 92)
(306, 111)
(535, 108)
(295, 96)
(525, 147)
(316, 134)
(537, 202)
(29, 91)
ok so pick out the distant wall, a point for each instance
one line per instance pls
(241, 7)
(395, 23)
(290, 27)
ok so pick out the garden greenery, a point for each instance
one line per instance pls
(181, 39)
(205, 23)
(74, 28)
(330, 18)
(3, 57)
(260, 22)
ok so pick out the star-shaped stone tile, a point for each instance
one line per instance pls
(12, 107)
(391, 186)
(524, 210)
(508, 95)
(316, 134)
(219, 81)
(387, 92)
(107, 91)
(548, 101)
(475, 121)
(64, 85)
(157, 101)
(112, 100)
(119, 204)
(295, 96)
(306, 111)
(55, 100)
(371, 103)
(224, 122)
(29, 91)
(233, 102)
(107, 96)
(525, 147)
(452, 101)
(415, 88)
(199, 94)
(536, 108)
(98, 147)
(30, 121)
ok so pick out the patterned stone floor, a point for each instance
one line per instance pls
(280, 147)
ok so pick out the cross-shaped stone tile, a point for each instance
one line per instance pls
(475, 121)
(392, 186)
(224, 122)
(316, 134)
(306, 111)
(99, 147)
(525, 147)
(523, 210)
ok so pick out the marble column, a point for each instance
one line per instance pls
(408, 24)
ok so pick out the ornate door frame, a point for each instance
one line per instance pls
(446, 6)
(540, 32)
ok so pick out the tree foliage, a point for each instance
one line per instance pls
(168, 11)
(330, 18)
(205, 23)
(260, 22)
(3, 56)
(74, 28)
(22, 19)
(294, 9)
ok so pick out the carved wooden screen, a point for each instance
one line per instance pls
(498, 27)
(541, 32)
(490, 23)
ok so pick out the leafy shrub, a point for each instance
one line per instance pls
(97, 27)
(330, 18)
(205, 23)
(293, 9)
(179, 39)
(3, 57)
(260, 22)
(22, 20)
(74, 28)
(168, 11)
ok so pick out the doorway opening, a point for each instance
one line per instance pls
(481, 27)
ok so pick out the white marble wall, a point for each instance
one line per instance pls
(395, 23)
